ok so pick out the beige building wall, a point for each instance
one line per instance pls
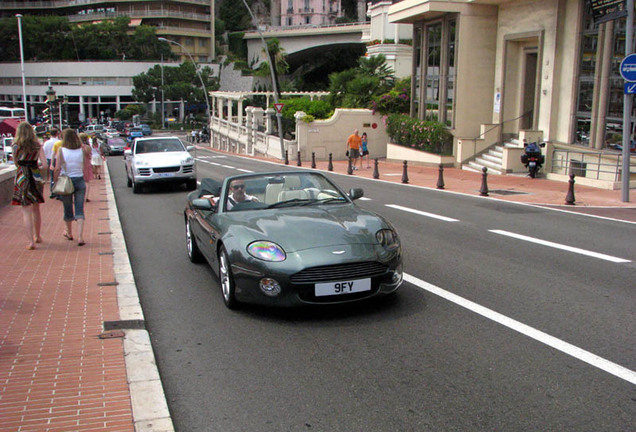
(475, 68)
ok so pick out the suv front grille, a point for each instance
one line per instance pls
(167, 169)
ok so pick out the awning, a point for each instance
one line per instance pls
(135, 22)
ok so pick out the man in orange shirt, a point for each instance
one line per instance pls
(353, 147)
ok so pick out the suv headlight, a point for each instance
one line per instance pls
(388, 239)
(187, 161)
(141, 163)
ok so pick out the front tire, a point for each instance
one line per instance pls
(227, 280)
(135, 187)
(194, 253)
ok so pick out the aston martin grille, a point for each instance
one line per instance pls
(340, 271)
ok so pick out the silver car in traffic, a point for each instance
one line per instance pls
(159, 160)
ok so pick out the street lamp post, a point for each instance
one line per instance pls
(51, 99)
(24, 98)
(274, 85)
(207, 103)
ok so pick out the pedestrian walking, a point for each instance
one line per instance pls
(193, 135)
(70, 162)
(88, 165)
(353, 148)
(48, 152)
(364, 149)
(28, 157)
(97, 158)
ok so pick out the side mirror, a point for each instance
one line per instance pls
(128, 152)
(190, 148)
(356, 193)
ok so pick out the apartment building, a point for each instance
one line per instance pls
(189, 23)
(309, 12)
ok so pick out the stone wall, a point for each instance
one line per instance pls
(7, 175)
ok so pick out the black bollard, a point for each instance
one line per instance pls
(376, 172)
(330, 166)
(313, 159)
(569, 199)
(299, 163)
(349, 168)
(286, 157)
(483, 191)
(440, 177)
(405, 174)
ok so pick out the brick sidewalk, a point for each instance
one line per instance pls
(56, 374)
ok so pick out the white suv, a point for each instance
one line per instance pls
(160, 160)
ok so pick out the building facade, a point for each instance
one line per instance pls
(309, 12)
(91, 90)
(541, 65)
(188, 22)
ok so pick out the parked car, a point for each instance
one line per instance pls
(159, 160)
(291, 238)
(145, 129)
(6, 145)
(134, 133)
(113, 146)
(92, 129)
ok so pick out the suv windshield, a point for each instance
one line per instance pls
(159, 146)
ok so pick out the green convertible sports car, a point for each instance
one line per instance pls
(291, 238)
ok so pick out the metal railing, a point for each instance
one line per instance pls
(597, 165)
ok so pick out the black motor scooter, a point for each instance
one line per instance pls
(532, 157)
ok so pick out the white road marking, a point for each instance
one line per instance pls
(244, 170)
(563, 247)
(421, 213)
(228, 166)
(567, 348)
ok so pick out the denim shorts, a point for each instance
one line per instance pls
(75, 201)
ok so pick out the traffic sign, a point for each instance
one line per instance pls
(630, 88)
(279, 106)
(628, 68)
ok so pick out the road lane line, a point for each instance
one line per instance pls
(244, 170)
(560, 246)
(421, 213)
(567, 348)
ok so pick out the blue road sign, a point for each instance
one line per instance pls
(630, 88)
(628, 68)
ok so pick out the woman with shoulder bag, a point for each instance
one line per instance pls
(70, 162)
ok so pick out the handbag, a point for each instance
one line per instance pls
(63, 186)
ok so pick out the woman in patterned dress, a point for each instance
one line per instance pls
(28, 188)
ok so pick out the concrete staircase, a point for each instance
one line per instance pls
(491, 159)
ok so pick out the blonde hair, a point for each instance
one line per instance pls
(25, 139)
(84, 138)
(70, 139)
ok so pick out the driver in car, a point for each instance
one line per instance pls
(238, 194)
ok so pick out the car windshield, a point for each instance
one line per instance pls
(281, 190)
(159, 146)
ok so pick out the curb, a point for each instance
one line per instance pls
(149, 406)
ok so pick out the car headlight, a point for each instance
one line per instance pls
(266, 251)
(388, 239)
(141, 163)
(187, 161)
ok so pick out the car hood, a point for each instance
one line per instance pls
(299, 228)
(162, 159)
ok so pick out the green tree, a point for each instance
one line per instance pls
(360, 86)
(180, 83)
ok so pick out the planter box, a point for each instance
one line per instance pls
(400, 153)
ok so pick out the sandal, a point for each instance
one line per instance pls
(81, 243)
(68, 237)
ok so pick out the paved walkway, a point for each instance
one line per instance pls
(65, 365)
(74, 355)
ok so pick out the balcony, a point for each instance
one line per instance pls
(72, 3)
(139, 14)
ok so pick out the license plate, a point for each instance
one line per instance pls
(343, 287)
(165, 174)
(533, 164)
